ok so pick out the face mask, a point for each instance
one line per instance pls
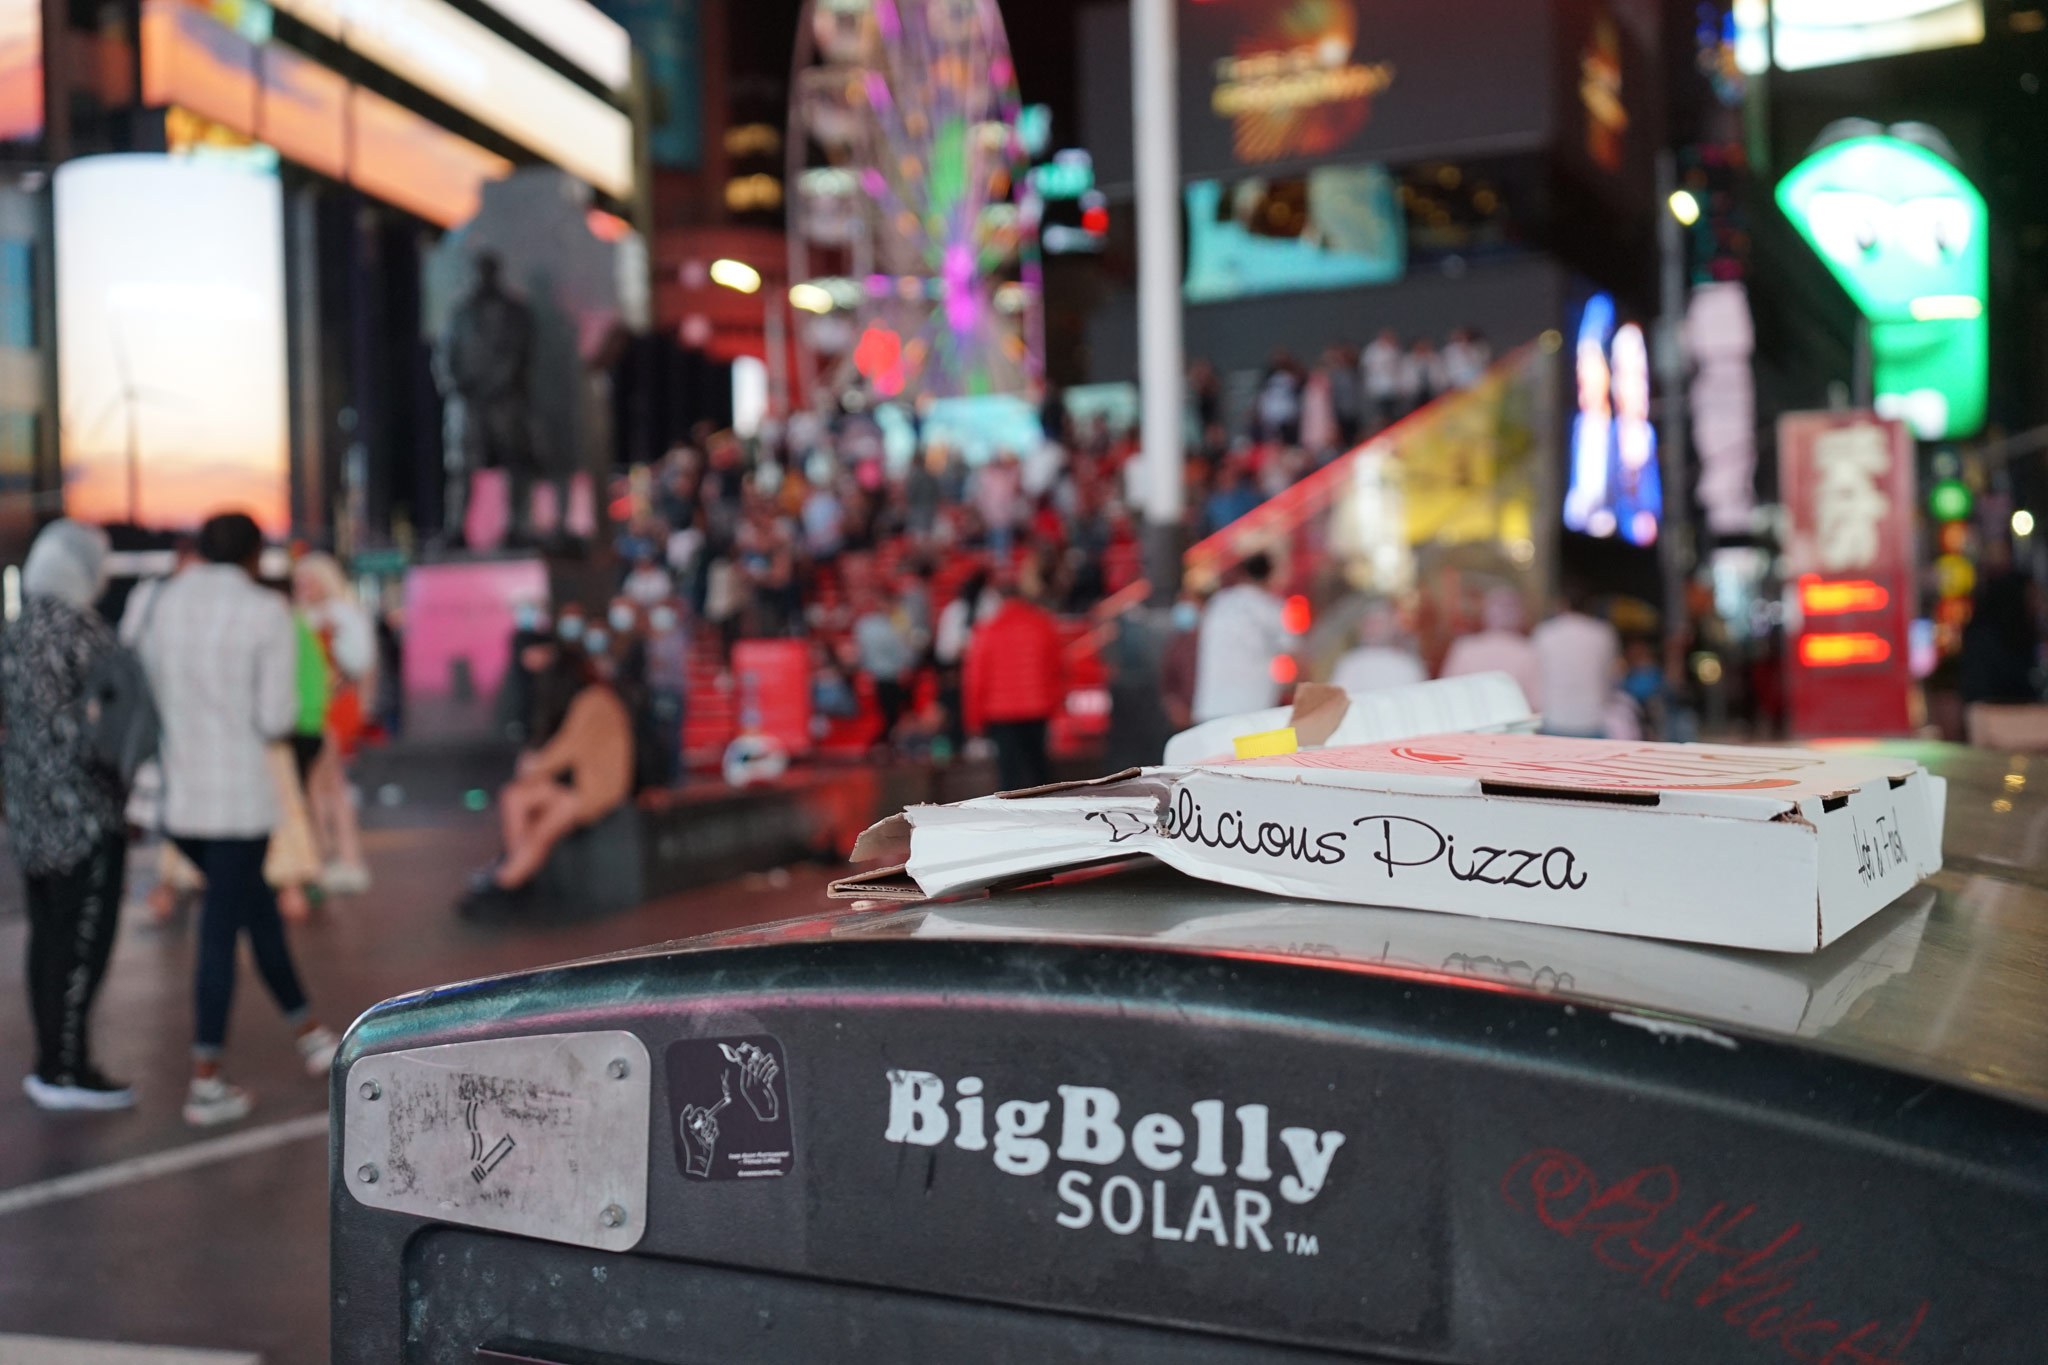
(595, 642)
(527, 618)
(570, 628)
(622, 619)
(1186, 616)
(663, 620)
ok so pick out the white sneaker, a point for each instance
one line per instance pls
(91, 1092)
(317, 1047)
(345, 879)
(213, 1101)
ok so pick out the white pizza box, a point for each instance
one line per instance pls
(1784, 850)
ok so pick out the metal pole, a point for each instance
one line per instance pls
(777, 342)
(1155, 123)
(1677, 533)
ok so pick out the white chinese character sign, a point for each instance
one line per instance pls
(1850, 466)
(1847, 482)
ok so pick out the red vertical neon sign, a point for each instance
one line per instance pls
(1847, 480)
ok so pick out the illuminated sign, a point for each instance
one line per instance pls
(21, 69)
(1616, 486)
(1336, 227)
(1069, 175)
(1819, 597)
(1906, 234)
(1808, 33)
(1843, 649)
(454, 58)
(310, 114)
(1600, 92)
(1285, 84)
(171, 341)
(1720, 338)
(417, 165)
(1291, 88)
(1950, 500)
(578, 31)
(1847, 480)
(1034, 129)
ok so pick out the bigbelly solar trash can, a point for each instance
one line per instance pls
(1142, 1119)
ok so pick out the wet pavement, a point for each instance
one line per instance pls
(132, 1228)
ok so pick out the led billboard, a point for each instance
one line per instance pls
(21, 70)
(578, 31)
(1276, 83)
(1616, 486)
(454, 58)
(417, 165)
(1339, 226)
(311, 114)
(1808, 33)
(171, 341)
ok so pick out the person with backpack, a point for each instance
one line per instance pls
(64, 806)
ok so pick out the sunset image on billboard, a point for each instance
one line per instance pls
(21, 70)
(171, 335)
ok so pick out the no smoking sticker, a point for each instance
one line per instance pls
(729, 1108)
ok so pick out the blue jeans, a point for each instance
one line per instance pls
(237, 900)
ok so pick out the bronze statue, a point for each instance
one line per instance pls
(485, 367)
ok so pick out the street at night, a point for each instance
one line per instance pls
(1032, 682)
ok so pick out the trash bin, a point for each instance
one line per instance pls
(1135, 1118)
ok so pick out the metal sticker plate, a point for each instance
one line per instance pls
(543, 1136)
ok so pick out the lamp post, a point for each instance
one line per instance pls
(1156, 123)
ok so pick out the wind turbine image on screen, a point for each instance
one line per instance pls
(914, 260)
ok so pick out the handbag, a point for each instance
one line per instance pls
(293, 858)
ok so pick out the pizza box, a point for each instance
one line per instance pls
(1783, 850)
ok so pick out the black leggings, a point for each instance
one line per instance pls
(72, 916)
(237, 899)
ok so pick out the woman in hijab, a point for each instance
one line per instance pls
(64, 808)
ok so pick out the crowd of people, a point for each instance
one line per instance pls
(1351, 393)
(1575, 668)
(811, 531)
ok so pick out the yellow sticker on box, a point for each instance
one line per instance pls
(1267, 744)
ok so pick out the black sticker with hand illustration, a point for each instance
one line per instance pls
(729, 1108)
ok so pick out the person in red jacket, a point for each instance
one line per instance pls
(1013, 684)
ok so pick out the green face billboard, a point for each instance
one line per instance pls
(1905, 233)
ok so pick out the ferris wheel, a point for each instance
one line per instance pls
(913, 241)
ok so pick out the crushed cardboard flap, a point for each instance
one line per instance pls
(887, 838)
(1319, 709)
(879, 884)
(890, 838)
(1077, 784)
